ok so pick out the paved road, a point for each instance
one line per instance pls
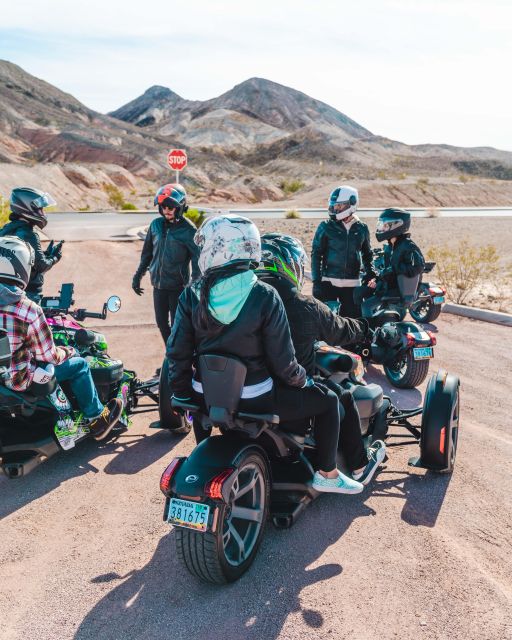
(114, 226)
(85, 553)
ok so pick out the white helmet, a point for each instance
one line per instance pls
(343, 202)
(227, 239)
(16, 261)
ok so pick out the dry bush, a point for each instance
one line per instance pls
(114, 194)
(501, 281)
(463, 268)
(4, 211)
(291, 186)
(292, 214)
(432, 212)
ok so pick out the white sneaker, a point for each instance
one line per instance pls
(376, 454)
(341, 484)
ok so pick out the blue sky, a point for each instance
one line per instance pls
(413, 71)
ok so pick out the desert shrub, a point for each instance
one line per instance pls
(381, 174)
(4, 211)
(86, 208)
(196, 216)
(115, 197)
(292, 214)
(128, 206)
(432, 212)
(463, 268)
(464, 178)
(501, 281)
(291, 186)
(402, 176)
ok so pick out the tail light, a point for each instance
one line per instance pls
(442, 439)
(213, 488)
(167, 475)
(432, 337)
(411, 340)
(437, 291)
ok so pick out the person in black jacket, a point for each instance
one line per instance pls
(402, 256)
(340, 246)
(168, 251)
(228, 311)
(282, 266)
(27, 212)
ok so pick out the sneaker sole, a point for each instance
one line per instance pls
(107, 431)
(368, 478)
(338, 490)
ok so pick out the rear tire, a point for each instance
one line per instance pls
(440, 423)
(223, 555)
(426, 312)
(407, 373)
(169, 419)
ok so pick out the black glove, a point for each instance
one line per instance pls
(57, 251)
(317, 289)
(48, 252)
(136, 284)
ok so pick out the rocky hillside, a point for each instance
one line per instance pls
(258, 142)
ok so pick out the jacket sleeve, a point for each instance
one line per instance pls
(41, 262)
(411, 263)
(317, 253)
(278, 346)
(193, 250)
(180, 350)
(40, 343)
(147, 253)
(367, 257)
(336, 330)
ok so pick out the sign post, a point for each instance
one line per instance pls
(177, 160)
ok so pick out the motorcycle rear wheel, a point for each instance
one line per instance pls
(223, 555)
(407, 373)
(425, 312)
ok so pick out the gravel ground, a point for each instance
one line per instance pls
(85, 553)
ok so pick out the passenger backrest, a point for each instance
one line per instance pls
(408, 287)
(223, 380)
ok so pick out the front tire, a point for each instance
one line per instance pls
(169, 419)
(406, 372)
(223, 555)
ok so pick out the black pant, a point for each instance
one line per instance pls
(166, 303)
(294, 407)
(350, 442)
(344, 295)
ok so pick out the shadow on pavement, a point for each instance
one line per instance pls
(162, 600)
(136, 454)
(401, 398)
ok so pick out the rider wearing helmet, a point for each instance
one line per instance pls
(283, 260)
(401, 255)
(31, 341)
(27, 212)
(168, 251)
(228, 310)
(340, 245)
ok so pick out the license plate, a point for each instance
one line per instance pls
(422, 353)
(438, 299)
(192, 515)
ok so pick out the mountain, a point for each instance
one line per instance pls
(260, 141)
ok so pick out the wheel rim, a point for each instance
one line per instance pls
(454, 431)
(397, 370)
(244, 520)
(422, 311)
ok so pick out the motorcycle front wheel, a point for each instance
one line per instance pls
(223, 555)
(427, 311)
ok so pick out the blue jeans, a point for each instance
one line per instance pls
(77, 372)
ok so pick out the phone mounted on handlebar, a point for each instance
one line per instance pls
(55, 305)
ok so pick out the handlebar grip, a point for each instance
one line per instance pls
(90, 314)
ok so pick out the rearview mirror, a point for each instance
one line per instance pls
(114, 304)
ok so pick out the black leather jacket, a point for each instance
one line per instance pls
(402, 258)
(260, 337)
(338, 253)
(42, 263)
(311, 320)
(168, 250)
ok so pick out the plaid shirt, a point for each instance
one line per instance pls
(30, 339)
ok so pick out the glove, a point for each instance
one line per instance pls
(136, 284)
(317, 289)
(48, 252)
(57, 251)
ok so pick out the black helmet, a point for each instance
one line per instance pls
(282, 257)
(28, 204)
(172, 196)
(16, 261)
(392, 223)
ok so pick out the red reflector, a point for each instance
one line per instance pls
(165, 480)
(432, 338)
(213, 488)
(411, 340)
(442, 438)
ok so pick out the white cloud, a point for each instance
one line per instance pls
(417, 72)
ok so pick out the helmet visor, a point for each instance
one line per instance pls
(388, 225)
(44, 200)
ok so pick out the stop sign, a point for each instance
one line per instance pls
(177, 159)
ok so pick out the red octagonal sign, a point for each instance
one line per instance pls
(177, 159)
